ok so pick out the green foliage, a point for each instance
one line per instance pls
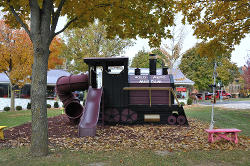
(56, 105)
(91, 41)
(189, 101)
(200, 69)
(6, 108)
(48, 106)
(141, 59)
(18, 108)
(28, 106)
(182, 103)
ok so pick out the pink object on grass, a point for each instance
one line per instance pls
(223, 133)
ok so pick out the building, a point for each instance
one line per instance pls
(183, 85)
(24, 92)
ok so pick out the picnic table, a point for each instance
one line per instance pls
(217, 134)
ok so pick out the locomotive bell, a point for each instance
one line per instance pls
(152, 64)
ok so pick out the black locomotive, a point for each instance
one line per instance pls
(135, 99)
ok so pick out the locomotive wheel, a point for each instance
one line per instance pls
(181, 120)
(171, 120)
(112, 115)
(128, 116)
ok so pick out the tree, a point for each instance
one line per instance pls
(15, 59)
(140, 60)
(90, 41)
(172, 50)
(200, 68)
(246, 77)
(127, 19)
(56, 48)
(220, 22)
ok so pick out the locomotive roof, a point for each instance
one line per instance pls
(110, 61)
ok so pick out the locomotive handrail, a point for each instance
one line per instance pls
(154, 88)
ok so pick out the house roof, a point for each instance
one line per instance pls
(53, 75)
(3, 78)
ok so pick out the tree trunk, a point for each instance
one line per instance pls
(39, 137)
(12, 98)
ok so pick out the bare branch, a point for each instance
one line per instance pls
(56, 16)
(65, 27)
(19, 20)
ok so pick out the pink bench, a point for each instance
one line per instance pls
(217, 134)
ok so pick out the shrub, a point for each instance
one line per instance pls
(56, 105)
(28, 106)
(48, 106)
(18, 108)
(182, 103)
(189, 101)
(6, 108)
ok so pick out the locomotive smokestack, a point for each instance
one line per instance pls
(165, 71)
(152, 64)
(137, 71)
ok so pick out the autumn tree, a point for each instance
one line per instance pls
(15, 59)
(127, 19)
(246, 77)
(222, 22)
(57, 49)
(199, 68)
(90, 41)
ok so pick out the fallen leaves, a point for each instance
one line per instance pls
(120, 137)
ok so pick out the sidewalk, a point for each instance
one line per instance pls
(230, 104)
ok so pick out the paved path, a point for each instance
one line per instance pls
(231, 104)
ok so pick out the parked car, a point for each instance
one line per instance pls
(208, 96)
(199, 96)
(222, 93)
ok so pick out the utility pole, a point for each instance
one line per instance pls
(214, 86)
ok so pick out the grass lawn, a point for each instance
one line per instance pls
(134, 157)
(16, 118)
(224, 118)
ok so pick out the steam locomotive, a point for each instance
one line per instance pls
(120, 98)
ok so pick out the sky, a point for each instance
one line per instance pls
(239, 55)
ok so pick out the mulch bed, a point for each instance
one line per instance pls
(62, 134)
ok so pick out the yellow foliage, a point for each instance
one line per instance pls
(16, 51)
(17, 54)
(219, 22)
